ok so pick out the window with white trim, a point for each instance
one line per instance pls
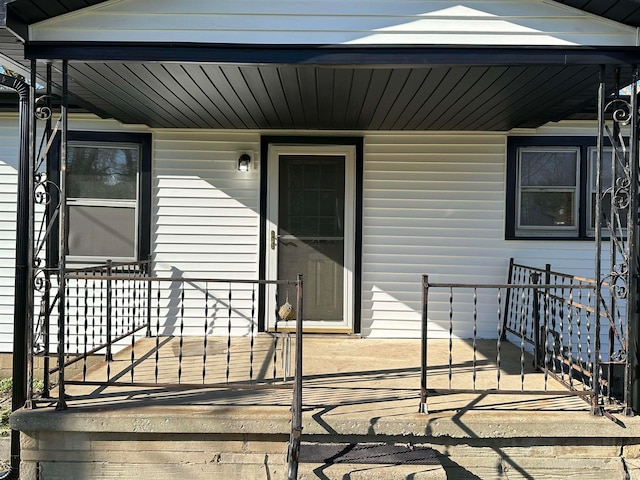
(108, 190)
(551, 187)
(102, 200)
(548, 190)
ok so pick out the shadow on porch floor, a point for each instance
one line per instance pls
(364, 381)
(355, 391)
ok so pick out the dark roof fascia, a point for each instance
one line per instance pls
(11, 22)
(335, 55)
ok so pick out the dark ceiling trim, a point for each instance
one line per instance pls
(334, 55)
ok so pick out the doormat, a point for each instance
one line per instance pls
(367, 453)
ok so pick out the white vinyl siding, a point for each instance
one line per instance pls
(206, 220)
(372, 22)
(434, 204)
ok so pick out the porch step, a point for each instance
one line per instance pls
(368, 461)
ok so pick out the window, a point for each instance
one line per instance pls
(108, 181)
(551, 187)
(548, 190)
(606, 183)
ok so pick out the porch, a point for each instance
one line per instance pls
(356, 391)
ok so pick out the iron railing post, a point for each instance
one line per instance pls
(30, 240)
(149, 293)
(423, 349)
(109, 307)
(62, 239)
(507, 300)
(595, 375)
(296, 404)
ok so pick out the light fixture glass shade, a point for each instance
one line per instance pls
(243, 163)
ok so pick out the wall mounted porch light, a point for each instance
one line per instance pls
(243, 162)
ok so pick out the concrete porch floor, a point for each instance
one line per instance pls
(355, 391)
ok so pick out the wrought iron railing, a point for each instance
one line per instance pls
(549, 317)
(154, 333)
(110, 309)
(174, 332)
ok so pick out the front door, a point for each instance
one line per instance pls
(310, 230)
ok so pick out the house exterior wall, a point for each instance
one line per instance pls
(433, 204)
(380, 22)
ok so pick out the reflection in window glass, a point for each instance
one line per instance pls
(548, 168)
(102, 172)
(102, 194)
(548, 190)
(547, 209)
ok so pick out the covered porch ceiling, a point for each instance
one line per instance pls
(192, 95)
(323, 87)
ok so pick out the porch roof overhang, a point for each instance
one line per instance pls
(336, 87)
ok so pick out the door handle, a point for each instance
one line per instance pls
(274, 238)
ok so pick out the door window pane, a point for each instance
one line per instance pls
(311, 195)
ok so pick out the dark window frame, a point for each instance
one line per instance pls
(583, 144)
(358, 143)
(144, 141)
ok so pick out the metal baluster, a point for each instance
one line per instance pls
(552, 307)
(589, 352)
(206, 325)
(475, 334)
(67, 322)
(579, 335)
(181, 332)
(131, 309)
(128, 298)
(86, 328)
(275, 336)
(157, 332)
(229, 337)
(499, 341)
(148, 298)
(561, 328)
(252, 332)
(546, 334)
(77, 315)
(93, 313)
(570, 333)
(523, 314)
(450, 335)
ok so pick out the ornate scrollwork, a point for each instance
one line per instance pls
(41, 281)
(41, 192)
(618, 280)
(621, 111)
(42, 112)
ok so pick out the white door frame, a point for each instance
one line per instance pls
(273, 171)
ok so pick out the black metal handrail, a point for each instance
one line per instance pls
(549, 316)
